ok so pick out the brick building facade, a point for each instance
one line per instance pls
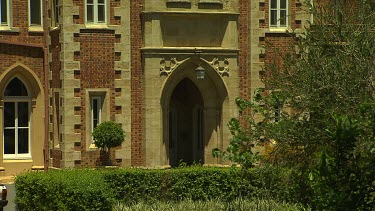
(134, 62)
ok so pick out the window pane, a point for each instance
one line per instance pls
(273, 4)
(89, 2)
(101, 13)
(9, 116)
(23, 114)
(282, 4)
(56, 11)
(15, 88)
(283, 18)
(90, 13)
(95, 123)
(100, 1)
(23, 141)
(9, 143)
(95, 108)
(273, 17)
(35, 12)
(3, 12)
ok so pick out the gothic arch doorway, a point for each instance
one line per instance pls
(186, 124)
(192, 113)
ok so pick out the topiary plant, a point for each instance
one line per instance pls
(108, 135)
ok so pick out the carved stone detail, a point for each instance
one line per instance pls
(167, 65)
(220, 65)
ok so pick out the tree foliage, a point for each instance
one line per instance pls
(326, 127)
(108, 135)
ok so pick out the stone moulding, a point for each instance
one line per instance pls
(169, 64)
(221, 65)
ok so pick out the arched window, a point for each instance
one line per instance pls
(16, 133)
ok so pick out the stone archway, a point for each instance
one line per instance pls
(193, 113)
(31, 155)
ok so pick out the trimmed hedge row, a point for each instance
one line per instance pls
(98, 189)
(63, 190)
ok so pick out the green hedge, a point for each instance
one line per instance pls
(63, 190)
(174, 184)
(98, 189)
(199, 183)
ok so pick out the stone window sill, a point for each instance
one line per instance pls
(96, 26)
(9, 29)
(18, 160)
(278, 30)
(35, 29)
(211, 2)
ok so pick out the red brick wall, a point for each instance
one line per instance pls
(56, 155)
(137, 112)
(10, 54)
(96, 57)
(277, 45)
(55, 65)
(29, 56)
(243, 43)
(20, 20)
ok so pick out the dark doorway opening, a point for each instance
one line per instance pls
(186, 118)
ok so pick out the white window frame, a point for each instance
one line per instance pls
(8, 15)
(16, 100)
(95, 5)
(41, 15)
(278, 9)
(98, 110)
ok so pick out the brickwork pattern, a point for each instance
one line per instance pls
(243, 37)
(55, 64)
(96, 57)
(29, 56)
(56, 156)
(278, 45)
(20, 21)
(137, 112)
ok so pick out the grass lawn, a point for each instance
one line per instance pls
(187, 205)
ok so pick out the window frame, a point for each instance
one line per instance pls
(103, 94)
(8, 14)
(56, 13)
(95, 15)
(278, 11)
(16, 100)
(30, 14)
(98, 110)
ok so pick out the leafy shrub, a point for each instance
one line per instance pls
(97, 189)
(108, 134)
(63, 190)
(197, 183)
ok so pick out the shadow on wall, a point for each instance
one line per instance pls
(193, 30)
